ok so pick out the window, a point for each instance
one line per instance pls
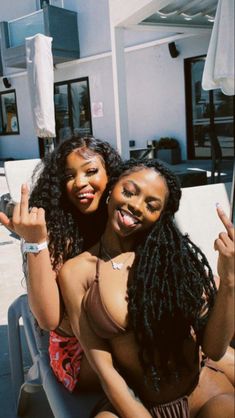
(207, 111)
(72, 108)
(9, 124)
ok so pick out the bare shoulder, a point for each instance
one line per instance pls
(80, 266)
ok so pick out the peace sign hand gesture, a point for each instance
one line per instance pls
(30, 225)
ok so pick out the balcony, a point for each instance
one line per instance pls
(59, 23)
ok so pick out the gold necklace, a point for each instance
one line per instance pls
(115, 266)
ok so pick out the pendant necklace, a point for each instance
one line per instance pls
(115, 266)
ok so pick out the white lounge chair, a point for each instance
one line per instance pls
(197, 216)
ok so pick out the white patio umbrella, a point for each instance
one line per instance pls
(41, 85)
(219, 65)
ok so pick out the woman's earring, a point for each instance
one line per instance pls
(107, 200)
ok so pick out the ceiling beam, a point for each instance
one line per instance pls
(166, 28)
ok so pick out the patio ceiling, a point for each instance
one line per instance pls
(179, 18)
(183, 13)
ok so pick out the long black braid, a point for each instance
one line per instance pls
(69, 231)
(172, 288)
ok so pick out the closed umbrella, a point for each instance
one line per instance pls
(41, 85)
(219, 65)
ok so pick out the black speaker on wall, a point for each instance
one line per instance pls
(173, 50)
(6, 82)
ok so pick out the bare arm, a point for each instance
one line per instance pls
(43, 290)
(97, 350)
(220, 327)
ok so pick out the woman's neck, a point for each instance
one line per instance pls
(117, 244)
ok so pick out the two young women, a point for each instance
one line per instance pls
(68, 211)
(143, 303)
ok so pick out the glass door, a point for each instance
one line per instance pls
(207, 111)
(72, 108)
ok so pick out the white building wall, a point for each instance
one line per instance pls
(155, 84)
(24, 145)
(99, 72)
(13, 9)
(93, 25)
(156, 91)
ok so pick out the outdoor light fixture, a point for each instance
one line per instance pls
(6, 82)
(173, 50)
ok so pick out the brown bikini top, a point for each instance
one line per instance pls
(99, 318)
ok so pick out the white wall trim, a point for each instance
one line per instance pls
(85, 59)
(161, 41)
(15, 75)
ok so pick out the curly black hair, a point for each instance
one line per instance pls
(172, 285)
(69, 231)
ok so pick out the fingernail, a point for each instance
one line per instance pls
(218, 206)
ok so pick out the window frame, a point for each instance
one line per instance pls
(68, 84)
(191, 149)
(3, 133)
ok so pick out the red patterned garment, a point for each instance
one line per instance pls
(65, 359)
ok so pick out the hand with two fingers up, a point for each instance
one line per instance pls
(28, 224)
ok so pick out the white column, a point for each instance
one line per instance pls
(120, 94)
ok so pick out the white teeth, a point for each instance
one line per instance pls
(80, 196)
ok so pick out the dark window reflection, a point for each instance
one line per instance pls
(210, 111)
(72, 108)
(9, 124)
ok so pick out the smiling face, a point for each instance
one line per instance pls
(86, 180)
(136, 201)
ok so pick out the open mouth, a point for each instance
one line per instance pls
(127, 219)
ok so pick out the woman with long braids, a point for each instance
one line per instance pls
(144, 305)
(67, 215)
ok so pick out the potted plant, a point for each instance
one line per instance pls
(168, 150)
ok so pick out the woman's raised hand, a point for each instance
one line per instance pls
(30, 225)
(224, 244)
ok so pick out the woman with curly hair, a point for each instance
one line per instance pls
(144, 304)
(67, 215)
